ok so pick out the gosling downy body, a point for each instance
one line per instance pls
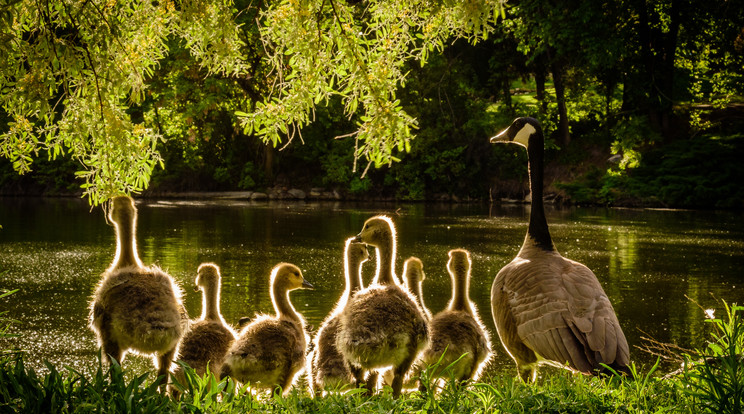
(382, 326)
(209, 338)
(270, 351)
(328, 369)
(457, 332)
(413, 277)
(549, 309)
(135, 307)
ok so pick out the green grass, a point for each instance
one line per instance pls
(713, 382)
(22, 390)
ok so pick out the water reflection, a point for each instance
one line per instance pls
(54, 251)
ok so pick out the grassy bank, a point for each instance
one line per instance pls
(712, 381)
(109, 391)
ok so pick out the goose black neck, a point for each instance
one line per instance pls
(538, 228)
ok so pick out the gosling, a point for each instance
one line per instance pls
(136, 308)
(210, 337)
(459, 341)
(270, 351)
(381, 326)
(328, 369)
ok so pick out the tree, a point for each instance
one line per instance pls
(75, 72)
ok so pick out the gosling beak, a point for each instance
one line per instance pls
(501, 137)
(307, 285)
(358, 238)
(196, 288)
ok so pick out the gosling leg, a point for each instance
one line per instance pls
(372, 382)
(358, 374)
(164, 362)
(112, 352)
(399, 374)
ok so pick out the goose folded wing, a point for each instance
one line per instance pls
(540, 305)
(592, 313)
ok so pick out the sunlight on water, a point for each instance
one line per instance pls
(54, 251)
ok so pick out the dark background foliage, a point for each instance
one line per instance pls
(658, 83)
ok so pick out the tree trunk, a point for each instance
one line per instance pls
(506, 91)
(667, 68)
(540, 85)
(564, 137)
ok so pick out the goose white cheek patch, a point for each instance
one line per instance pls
(523, 136)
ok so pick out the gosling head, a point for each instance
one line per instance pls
(376, 231)
(289, 277)
(122, 210)
(356, 252)
(459, 262)
(522, 131)
(413, 271)
(207, 277)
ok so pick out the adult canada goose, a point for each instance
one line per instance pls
(136, 308)
(381, 326)
(328, 368)
(414, 276)
(270, 350)
(549, 309)
(457, 332)
(209, 338)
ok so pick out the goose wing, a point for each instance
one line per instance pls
(563, 314)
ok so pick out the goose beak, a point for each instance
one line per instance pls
(501, 137)
(307, 285)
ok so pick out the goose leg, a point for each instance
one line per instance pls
(528, 373)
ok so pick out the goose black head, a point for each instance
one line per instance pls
(521, 132)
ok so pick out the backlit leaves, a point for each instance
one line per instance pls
(325, 48)
(72, 70)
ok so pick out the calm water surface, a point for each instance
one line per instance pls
(648, 261)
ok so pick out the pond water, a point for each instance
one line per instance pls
(648, 261)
